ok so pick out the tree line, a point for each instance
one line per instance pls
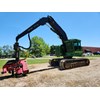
(38, 49)
(6, 51)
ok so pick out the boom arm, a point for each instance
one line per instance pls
(69, 48)
(54, 27)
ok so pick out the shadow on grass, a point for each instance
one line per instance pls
(35, 71)
(5, 77)
(40, 70)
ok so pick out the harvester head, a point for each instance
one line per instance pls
(15, 67)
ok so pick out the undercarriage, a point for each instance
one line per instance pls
(69, 63)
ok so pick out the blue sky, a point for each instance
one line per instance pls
(80, 25)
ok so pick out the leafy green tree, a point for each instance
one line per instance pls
(55, 50)
(39, 47)
(0, 51)
(24, 53)
(52, 50)
(7, 50)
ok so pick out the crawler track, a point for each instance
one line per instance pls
(69, 63)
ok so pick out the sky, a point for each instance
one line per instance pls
(77, 25)
(84, 26)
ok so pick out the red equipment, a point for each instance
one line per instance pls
(16, 67)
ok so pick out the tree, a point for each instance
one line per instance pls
(52, 50)
(7, 50)
(55, 50)
(24, 53)
(0, 51)
(39, 47)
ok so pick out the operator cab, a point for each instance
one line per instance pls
(77, 44)
(73, 47)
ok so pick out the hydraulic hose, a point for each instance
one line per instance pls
(29, 43)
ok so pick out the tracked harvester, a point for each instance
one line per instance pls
(68, 49)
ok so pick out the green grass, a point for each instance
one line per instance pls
(2, 62)
(93, 56)
(37, 61)
(89, 57)
(41, 60)
(29, 61)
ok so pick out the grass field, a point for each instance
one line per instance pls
(38, 60)
(29, 61)
(43, 75)
(2, 62)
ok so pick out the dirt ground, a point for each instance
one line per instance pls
(42, 75)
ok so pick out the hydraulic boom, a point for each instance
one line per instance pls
(68, 49)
